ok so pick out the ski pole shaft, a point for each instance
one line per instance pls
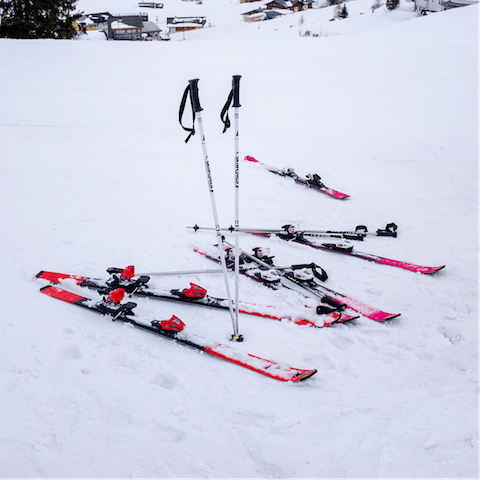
(197, 109)
(323, 298)
(236, 105)
(182, 272)
(361, 231)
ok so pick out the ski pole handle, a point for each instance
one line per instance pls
(194, 95)
(389, 231)
(236, 90)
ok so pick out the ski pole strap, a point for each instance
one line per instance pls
(191, 89)
(224, 114)
(234, 96)
(180, 114)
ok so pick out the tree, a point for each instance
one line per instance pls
(392, 4)
(38, 18)
(376, 4)
(341, 11)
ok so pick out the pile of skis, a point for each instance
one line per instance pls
(124, 281)
(319, 306)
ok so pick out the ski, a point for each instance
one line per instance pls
(291, 234)
(173, 330)
(326, 295)
(194, 295)
(311, 181)
(348, 249)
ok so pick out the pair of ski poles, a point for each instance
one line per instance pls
(192, 91)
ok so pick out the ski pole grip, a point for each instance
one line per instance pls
(390, 231)
(194, 95)
(236, 90)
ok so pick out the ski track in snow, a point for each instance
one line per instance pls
(95, 173)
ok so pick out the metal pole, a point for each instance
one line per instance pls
(197, 110)
(236, 105)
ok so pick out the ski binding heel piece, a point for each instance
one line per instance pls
(115, 296)
(270, 276)
(304, 275)
(193, 293)
(173, 324)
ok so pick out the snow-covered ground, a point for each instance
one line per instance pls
(95, 173)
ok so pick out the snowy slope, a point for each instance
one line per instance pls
(95, 173)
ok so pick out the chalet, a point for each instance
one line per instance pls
(120, 30)
(182, 24)
(256, 15)
(281, 4)
(150, 5)
(302, 5)
(448, 4)
(294, 5)
(260, 14)
(424, 6)
(130, 27)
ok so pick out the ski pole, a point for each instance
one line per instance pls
(182, 272)
(235, 96)
(236, 105)
(360, 232)
(197, 109)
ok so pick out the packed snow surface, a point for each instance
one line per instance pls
(96, 173)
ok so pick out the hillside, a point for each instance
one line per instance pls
(96, 173)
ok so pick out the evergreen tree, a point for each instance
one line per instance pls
(341, 11)
(37, 18)
(392, 4)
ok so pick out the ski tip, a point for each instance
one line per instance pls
(344, 318)
(303, 375)
(434, 270)
(248, 158)
(392, 316)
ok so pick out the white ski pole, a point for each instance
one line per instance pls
(236, 105)
(234, 96)
(197, 109)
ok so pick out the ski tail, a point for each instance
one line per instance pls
(64, 295)
(54, 277)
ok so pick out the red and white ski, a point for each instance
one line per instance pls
(173, 330)
(196, 295)
(313, 182)
(327, 295)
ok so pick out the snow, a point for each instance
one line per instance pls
(96, 173)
